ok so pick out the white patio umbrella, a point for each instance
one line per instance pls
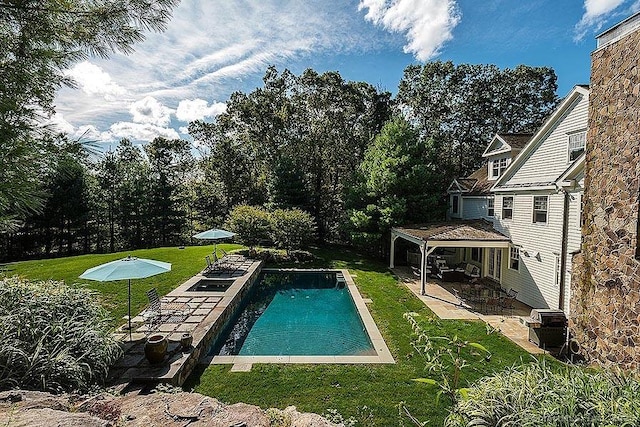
(214, 234)
(126, 269)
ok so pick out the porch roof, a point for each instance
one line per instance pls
(456, 234)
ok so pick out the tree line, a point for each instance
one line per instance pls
(352, 156)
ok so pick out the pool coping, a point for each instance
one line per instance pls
(383, 355)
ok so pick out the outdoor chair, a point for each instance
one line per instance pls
(472, 271)
(508, 302)
(210, 265)
(157, 312)
(493, 305)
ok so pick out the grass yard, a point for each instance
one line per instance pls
(184, 264)
(369, 393)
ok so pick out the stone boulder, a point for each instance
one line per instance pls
(36, 409)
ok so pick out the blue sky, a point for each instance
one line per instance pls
(214, 47)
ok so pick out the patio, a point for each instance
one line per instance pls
(203, 314)
(441, 299)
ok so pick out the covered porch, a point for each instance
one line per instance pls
(474, 235)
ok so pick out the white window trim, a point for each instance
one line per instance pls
(489, 200)
(511, 258)
(455, 204)
(582, 132)
(513, 203)
(533, 212)
(501, 168)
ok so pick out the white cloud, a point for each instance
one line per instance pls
(91, 133)
(61, 124)
(210, 49)
(140, 131)
(595, 13)
(197, 109)
(150, 110)
(426, 24)
(93, 80)
(183, 130)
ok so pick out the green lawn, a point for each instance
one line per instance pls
(184, 264)
(369, 393)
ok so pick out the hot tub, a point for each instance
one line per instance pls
(211, 285)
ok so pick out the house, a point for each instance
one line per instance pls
(605, 287)
(470, 197)
(537, 203)
(529, 194)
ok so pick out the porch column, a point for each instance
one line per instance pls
(423, 269)
(392, 254)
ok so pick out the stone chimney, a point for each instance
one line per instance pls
(605, 286)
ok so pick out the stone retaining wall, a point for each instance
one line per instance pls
(605, 297)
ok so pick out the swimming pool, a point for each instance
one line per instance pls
(301, 313)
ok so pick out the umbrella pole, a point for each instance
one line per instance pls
(130, 339)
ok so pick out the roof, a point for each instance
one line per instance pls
(477, 183)
(558, 114)
(435, 234)
(516, 140)
(507, 143)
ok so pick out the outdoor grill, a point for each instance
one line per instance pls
(547, 328)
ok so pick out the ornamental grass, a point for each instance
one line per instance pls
(537, 395)
(53, 337)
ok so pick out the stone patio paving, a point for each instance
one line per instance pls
(203, 314)
(446, 306)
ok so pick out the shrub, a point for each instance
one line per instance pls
(250, 223)
(291, 228)
(53, 337)
(535, 395)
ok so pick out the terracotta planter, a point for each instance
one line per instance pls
(156, 348)
(186, 340)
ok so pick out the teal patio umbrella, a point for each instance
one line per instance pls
(126, 269)
(214, 234)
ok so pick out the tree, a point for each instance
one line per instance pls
(250, 223)
(398, 182)
(298, 140)
(39, 39)
(132, 187)
(462, 107)
(291, 228)
(169, 164)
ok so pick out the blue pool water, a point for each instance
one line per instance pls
(296, 314)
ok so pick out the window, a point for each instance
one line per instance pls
(540, 208)
(577, 143)
(514, 258)
(491, 207)
(476, 254)
(454, 201)
(507, 207)
(498, 167)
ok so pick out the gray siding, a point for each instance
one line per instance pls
(475, 208)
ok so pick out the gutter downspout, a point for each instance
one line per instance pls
(563, 250)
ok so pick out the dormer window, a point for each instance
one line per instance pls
(577, 142)
(498, 166)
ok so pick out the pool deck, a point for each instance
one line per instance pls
(202, 313)
(446, 306)
(383, 355)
